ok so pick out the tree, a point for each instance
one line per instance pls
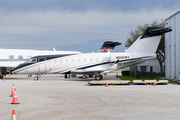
(140, 30)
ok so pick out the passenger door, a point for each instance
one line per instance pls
(42, 66)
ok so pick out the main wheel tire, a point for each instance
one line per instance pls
(84, 76)
(98, 77)
(178, 81)
(101, 77)
(65, 76)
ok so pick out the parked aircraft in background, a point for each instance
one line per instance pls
(11, 58)
(96, 64)
(108, 46)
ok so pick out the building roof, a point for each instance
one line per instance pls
(172, 15)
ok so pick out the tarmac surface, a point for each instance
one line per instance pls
(54, 98)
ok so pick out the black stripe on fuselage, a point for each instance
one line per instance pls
(49, 57)
(94, 65)
(21, 66)
(111, 62)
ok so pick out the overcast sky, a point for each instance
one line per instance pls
(76, 25)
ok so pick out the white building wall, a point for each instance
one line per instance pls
(172, 47)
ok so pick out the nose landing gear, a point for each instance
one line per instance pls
(37, 77)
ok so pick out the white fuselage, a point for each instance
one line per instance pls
(86, 63)
(11, 58)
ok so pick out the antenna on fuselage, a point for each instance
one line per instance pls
(54, 49)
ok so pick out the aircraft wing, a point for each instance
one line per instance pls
(133, 60)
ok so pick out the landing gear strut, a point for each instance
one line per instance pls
(98, 77)
(67, 76)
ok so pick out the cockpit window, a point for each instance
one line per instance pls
(41, 59)
(33, 60)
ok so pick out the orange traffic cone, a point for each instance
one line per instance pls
(107, 83)
(9, 75)
(15, 100)
(28, 76)
(12, 92)
(117, 76)
(4, 77)
(13, 117)
(154, 82)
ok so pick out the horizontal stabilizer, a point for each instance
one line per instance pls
(155, 31)
(108, 46)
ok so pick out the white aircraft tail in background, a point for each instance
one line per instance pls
(108, 46)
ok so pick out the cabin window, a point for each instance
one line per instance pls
(55, 61)
(97, 59)
(79, 60)
(91, 60)
(11, 57)
(73, 60)
(41, 59)
(67, 61)
(61, 61)
(85, 60)
(20, 57)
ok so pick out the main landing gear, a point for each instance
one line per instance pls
(98, 77)
(178, 81)
(66, 76)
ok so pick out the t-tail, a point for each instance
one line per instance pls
(108, 46)
(149, 41)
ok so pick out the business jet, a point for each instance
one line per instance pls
(96, 64)
(11, 58)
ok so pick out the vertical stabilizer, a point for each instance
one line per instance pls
(149, 41)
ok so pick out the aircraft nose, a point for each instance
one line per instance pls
(20, 67)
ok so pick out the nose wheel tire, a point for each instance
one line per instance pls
(36, 78)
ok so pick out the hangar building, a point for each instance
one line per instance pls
(172, 47)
